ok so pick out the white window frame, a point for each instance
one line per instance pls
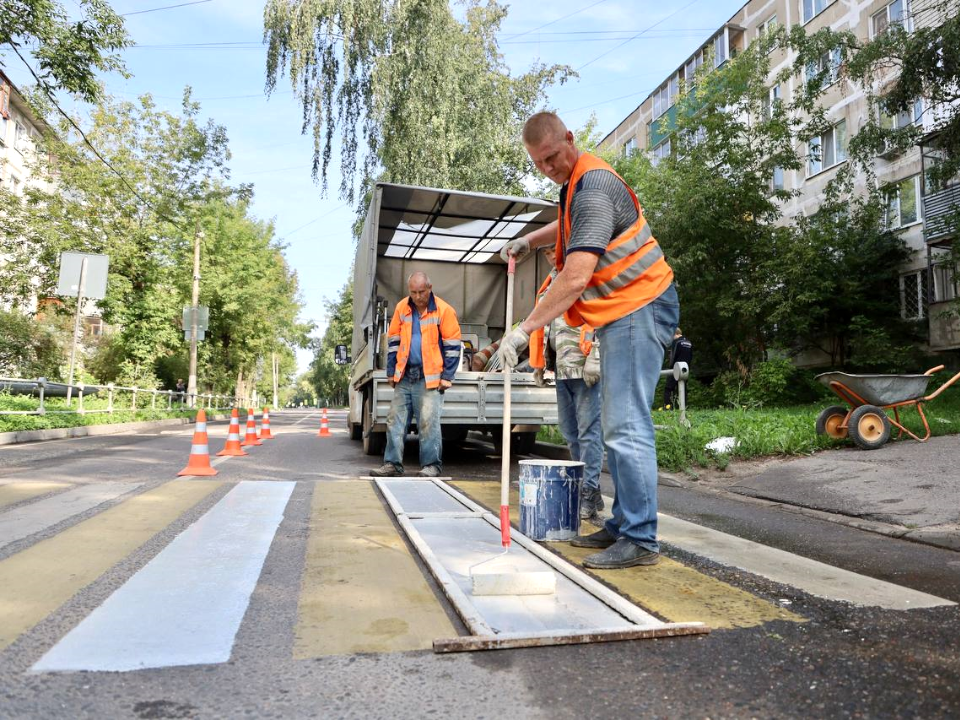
(774, 185)
(814, 11)
(913, 116)
(721, 48)
(767, 25)
(630, 147)
(921, 298)
(20, 135)
(885, 12)
(4, 123)
(774, 95)
(945, 281)
(660, 151)
(836, 140)
(831, 60)
(894, 204)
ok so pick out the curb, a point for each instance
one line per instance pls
(24, 436)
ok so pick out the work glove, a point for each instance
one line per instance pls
(539, 379)
(517, 248)
(511, 346)
(591, 369)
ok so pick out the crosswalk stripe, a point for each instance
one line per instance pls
(362, 590)
(38, 580)
(675, 592)
(185, 606)
(15, 492)
(22, 522)
(811, 576)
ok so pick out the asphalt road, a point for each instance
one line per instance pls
(332, 613)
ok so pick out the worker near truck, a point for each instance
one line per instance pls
(574, 356)
(680, 351)
(612, 275)
(423, 352)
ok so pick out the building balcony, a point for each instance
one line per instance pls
(939, 210)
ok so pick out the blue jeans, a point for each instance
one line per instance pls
(412, 399)
(578, 408)
(631, 354)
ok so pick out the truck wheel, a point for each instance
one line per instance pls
(869, 427)
(373, 442)
(356, 431)
(830, 420)
(453, 434)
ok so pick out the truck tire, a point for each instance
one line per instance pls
(453, 435)
(373, 442)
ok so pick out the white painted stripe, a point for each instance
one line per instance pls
(185, 606)
(20, 522)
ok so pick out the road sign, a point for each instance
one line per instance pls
(203, 321)
(95, 282)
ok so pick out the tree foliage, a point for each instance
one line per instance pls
(69, 52)
(332, 381)
(410, 93)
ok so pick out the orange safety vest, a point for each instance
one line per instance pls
(439, 339)
(630, 274)
(538, 338)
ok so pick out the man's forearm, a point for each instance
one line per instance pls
(564, 290)
(547, 235)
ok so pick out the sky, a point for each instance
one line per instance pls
(622, 50)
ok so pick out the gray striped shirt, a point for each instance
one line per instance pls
(601, 210)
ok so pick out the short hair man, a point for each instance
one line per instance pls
(423, 351)
(613, 276)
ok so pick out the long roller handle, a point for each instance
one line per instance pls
(505, 453)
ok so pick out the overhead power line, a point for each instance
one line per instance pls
(165, 7)
(552, 22)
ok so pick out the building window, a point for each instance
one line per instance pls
(944, 281)
(690, 69)
(20, 136)
(3, 130)
(768, 26)
(896, 13)
(913, 295)
(812, 8)
(771, 101)
(827, 150)
(903, 203)
(911, 116)
(661, 151)
(14, 184)
(720, 49)
(776, 182)
(829, 61)
(630, 147)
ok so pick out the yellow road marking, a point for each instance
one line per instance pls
(38, 580)
(669, 589)
(19, 491)
(362, 590)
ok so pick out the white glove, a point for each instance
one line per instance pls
(517, 248)
(511, 346)
(539, 379)
(591, 369)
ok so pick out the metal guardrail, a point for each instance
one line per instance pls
(190, 400)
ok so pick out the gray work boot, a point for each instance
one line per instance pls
(387, 470)
(623, 553)
(600, 539)
(591, 503)
(429, 471)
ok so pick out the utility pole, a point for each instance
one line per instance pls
(276, 369)
(76, 327)
(194, 317)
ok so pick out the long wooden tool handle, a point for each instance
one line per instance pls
(505, 452)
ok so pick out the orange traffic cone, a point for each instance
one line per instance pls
(324, 425)
(266, 434)
(199, 462)
(232, 447)
(251, 436)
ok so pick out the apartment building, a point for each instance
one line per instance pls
(927, 282)
(20, 133)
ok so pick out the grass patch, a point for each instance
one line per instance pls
(767, 432)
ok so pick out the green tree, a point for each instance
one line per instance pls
(332, 381)
(412, 94)
(69, 52)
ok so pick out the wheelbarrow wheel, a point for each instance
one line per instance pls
(869, 427)
(830, 420)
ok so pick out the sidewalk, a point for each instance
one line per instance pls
(905, 489)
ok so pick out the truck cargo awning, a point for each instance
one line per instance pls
(451, 226)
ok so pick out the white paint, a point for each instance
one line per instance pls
(20, 522)
(185, 606)
(811, 576)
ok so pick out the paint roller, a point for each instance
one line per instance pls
(509, 580)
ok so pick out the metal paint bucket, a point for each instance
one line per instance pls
(550, 499)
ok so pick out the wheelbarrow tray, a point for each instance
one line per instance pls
(882, 390)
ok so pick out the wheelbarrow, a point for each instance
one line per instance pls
(866, 421)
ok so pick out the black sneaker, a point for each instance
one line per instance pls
(387, 470)
(622, 554)
(591, 503)
(600, 539)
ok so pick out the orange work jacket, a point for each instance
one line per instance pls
(439, 341)
(630, 274)
(538, 339)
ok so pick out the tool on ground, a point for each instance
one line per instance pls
(198, 465)
(266, 434)
(324, 425)
(232, 448)
(865, 421)
(251, 437)
(507, 581)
